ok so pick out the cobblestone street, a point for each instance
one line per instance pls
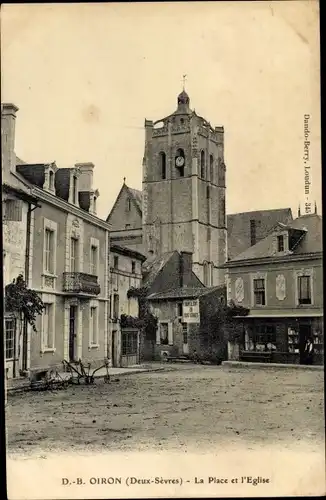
(188, 408)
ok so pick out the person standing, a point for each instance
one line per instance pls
(309, 352)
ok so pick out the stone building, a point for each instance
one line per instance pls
(182, 204)
(68, 260)
(18, 204)
(125, 273)
(280, 280)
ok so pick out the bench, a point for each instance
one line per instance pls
(256, 356)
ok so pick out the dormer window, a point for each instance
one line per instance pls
(280, 243)
(51, 180)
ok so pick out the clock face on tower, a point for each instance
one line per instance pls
(179, 161)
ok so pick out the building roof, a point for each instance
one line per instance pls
(310, 242)
(184, 293)
(153, 266)
(238, 227)
(124, 250)
(137, 196)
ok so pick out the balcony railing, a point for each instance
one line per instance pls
(81, 283)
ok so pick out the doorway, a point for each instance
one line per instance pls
(114, 348)
(304, 335)
(185, 345)
(72, 333)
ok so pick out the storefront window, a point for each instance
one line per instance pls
(263, 338)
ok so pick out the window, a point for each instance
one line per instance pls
(208, 192)
(185, 332)
(93, 266)
(116, 306)
(94, 204)
(74, 189)
(163, 165)
(211, 168)
(304, 287)
(47, 326)
(206, 273)
(128, 226)
(73, 255)
(212, 273)
(280, 243)
(51, 180)
(259, 292)
(264, 338)
(115, 262)
(179, 309)
(93, 334)
(128, 204)
(164, 333)
(133, 267)
(222, 211)
(253, 232)
(48, 250)
(10, 329)
(202, 164)
(129, 344)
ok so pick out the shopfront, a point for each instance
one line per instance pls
(282, 340)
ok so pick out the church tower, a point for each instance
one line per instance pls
(184, 190)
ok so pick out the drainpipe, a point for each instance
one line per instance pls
(27, 255)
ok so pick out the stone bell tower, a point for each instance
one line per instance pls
(184, 190)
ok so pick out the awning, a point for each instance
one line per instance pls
(294, 314)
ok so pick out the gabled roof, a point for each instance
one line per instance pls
(125, 250)
(134, 194)
(153, 266)
(238, 227)
(310, 241)
(137, 197)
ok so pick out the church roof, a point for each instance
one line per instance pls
(137, 196)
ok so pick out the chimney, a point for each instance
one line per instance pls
(185, 268)
(8, 122)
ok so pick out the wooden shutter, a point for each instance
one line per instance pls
(170, 333)
(13, 210)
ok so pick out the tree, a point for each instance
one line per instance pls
(23, 302)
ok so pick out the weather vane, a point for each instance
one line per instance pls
(184, 77)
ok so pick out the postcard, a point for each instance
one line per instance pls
(162, 250)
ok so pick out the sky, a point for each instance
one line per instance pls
(85, 77)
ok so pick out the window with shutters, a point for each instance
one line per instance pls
(48, 250)
(304, 288)
(13, 210)
(10, 332)
(48, 327)
(94, 260)
(73, 255)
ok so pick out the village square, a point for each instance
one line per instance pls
(151, 317)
